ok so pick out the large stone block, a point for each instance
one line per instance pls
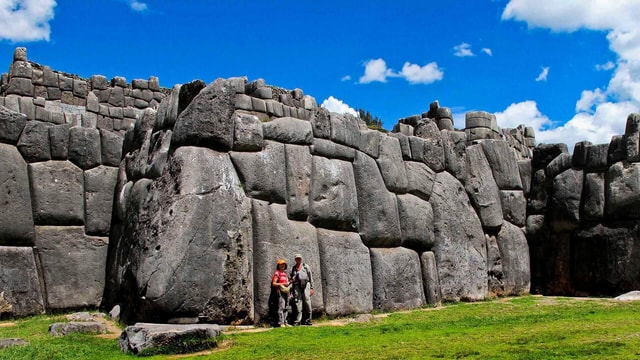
(537, 200)
(150, 339)
(514, 255)
(321, 123)
(597, 157)
(377, 208)
(99, 185)
(34, 142)
(397, 279)
(459, 249)
(606, 259)
(11, 125)
(524, 167)
(345, 130)
(564, 209)
(158, 153)
(59, 140)
(346, 273)
(275, 237)
(433, 151)
(288, 130)
(503, 164)
(419, 179)
(544, 153)
(455, 155)
(247, 135)
(57, 193)
(405, 146)
(391, 165)
(16, 217)
(84, 147)
(19, 282)
(208, 120)
(333, 199)
(177, 240)
(482, 188)
(623, 191)
(329, 149)
(632, 137)
(514, 206)
(593, 199)
(416, 222)
(262, 173)
(73, 266)
(299, 169)
(168, 110)
(370, 142)
(111, 147)
(432, 290)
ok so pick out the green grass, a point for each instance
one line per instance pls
(517, 328)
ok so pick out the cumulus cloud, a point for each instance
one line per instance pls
(487, 51)
(598, 116)
(338, 106)
(138, 6)
(543, 74)
(525, 112)
(377, 70)
(26, 20)
(345, 78)
(463, 50)
(416, 74)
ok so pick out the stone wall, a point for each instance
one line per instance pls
(60, 147)
(584, 212)
(177, 203)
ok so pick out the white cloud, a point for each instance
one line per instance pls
(138, 6)
(463, 50)
(345, 78)
(606, 66)
(416, 74)
(338, 106)
(487, 51)
(597, 117)
(375, 70)
(543, 74)
(526, 113)
(589, 99)
(26, 20)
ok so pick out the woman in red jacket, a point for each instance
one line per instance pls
(280, 283)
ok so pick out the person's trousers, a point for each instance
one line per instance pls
(282, 307)
(302, 298)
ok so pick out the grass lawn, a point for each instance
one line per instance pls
(529, 327)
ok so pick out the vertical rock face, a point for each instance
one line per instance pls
(57, 193)
(208, 273)
(73, 266)
(397, 279)
(514, 255)
(459, 242)
(333, 200)
(19, 281)
(482, 188)
(16, 216)
(346, 279)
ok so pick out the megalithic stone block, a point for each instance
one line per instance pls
(16, 216)
(19, 282)
(397, 279)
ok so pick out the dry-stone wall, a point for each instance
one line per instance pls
(583, 216)
(60, 147)
(176, 203)
(225, 178)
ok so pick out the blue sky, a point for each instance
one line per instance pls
(569, 68)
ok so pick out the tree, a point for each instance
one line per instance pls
(373, 122)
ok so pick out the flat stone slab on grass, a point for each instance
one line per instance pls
(630, 296)
(79, 327)
(151, 339)
(5, 343)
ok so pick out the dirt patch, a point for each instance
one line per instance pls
(113, 331)
(7, 324)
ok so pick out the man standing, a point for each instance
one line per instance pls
(303, 290)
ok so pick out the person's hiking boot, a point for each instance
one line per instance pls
(308, 322)
(296, 324)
